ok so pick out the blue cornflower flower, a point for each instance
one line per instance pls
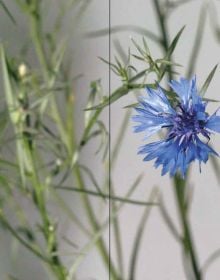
(186, 123)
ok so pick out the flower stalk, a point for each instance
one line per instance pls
(187, 240)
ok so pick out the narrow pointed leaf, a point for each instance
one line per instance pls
(131, 105)
(92, 179)
(174, 43)
(122, 28)
(118, 142)
(170, 52)
(208, 81)
(211, 100)
(107, 196)
(7, 12)
(118, 93)
(138, 237)
(210, 260)
(198, 41)
(168, 220)
(100, 232)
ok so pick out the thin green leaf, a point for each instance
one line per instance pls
(176, 4)
(92, 135)
(107, 196)
(138, 48)
(89, 246)
(120, 92)
(104, 143)
(120, 50)
(198, 40)
(70, 213)
(74, 159)
(138, 76)
(211, 100)
(117, 235)
(122, 28)
(138, 57)
(10, 98)
(91, 123)
(113, 66)
(31, 247)
(139, 235)
(12, 104)
(100, 232)
(3, 121)
(94, 91)
(92, 179)
(210, 260)
(208, 81)
(168, 220)
(118, 142)
(7, 163)
(167, 62)
(131, 105)
(7, 12)
(147, 50)
(58, 59)
(26, 232)
(5, 183)
(171, 50)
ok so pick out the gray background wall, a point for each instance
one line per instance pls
(160, 255)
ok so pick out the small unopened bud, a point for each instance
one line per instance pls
(22, 70)
(51, 228)
(58, 162)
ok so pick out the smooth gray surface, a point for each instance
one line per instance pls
(160, 255)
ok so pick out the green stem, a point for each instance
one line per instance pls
(48, 229)
(36, 34)
(117, 234)
(161, 17)
(106, 196)
(162, 23)
(100, 243)
(179, 185)
(35, 250)
(37, 38)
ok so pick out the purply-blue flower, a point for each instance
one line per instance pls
(188, 127)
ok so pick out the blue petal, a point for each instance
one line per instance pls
(197, 150)
(149, 123)
(182, 144)
(176, 154)
(213, 123)
(158, 100)
(183, 89)
(154, 113)
(186, 90)
(165, 153)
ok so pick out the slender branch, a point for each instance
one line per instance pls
(129, 28)
(162, 23)
(113, 197)
(189, 248)
(210, 260)
(161, 17)
(31, 248)
(92, 219)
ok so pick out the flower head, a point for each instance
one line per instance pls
(188, 127)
